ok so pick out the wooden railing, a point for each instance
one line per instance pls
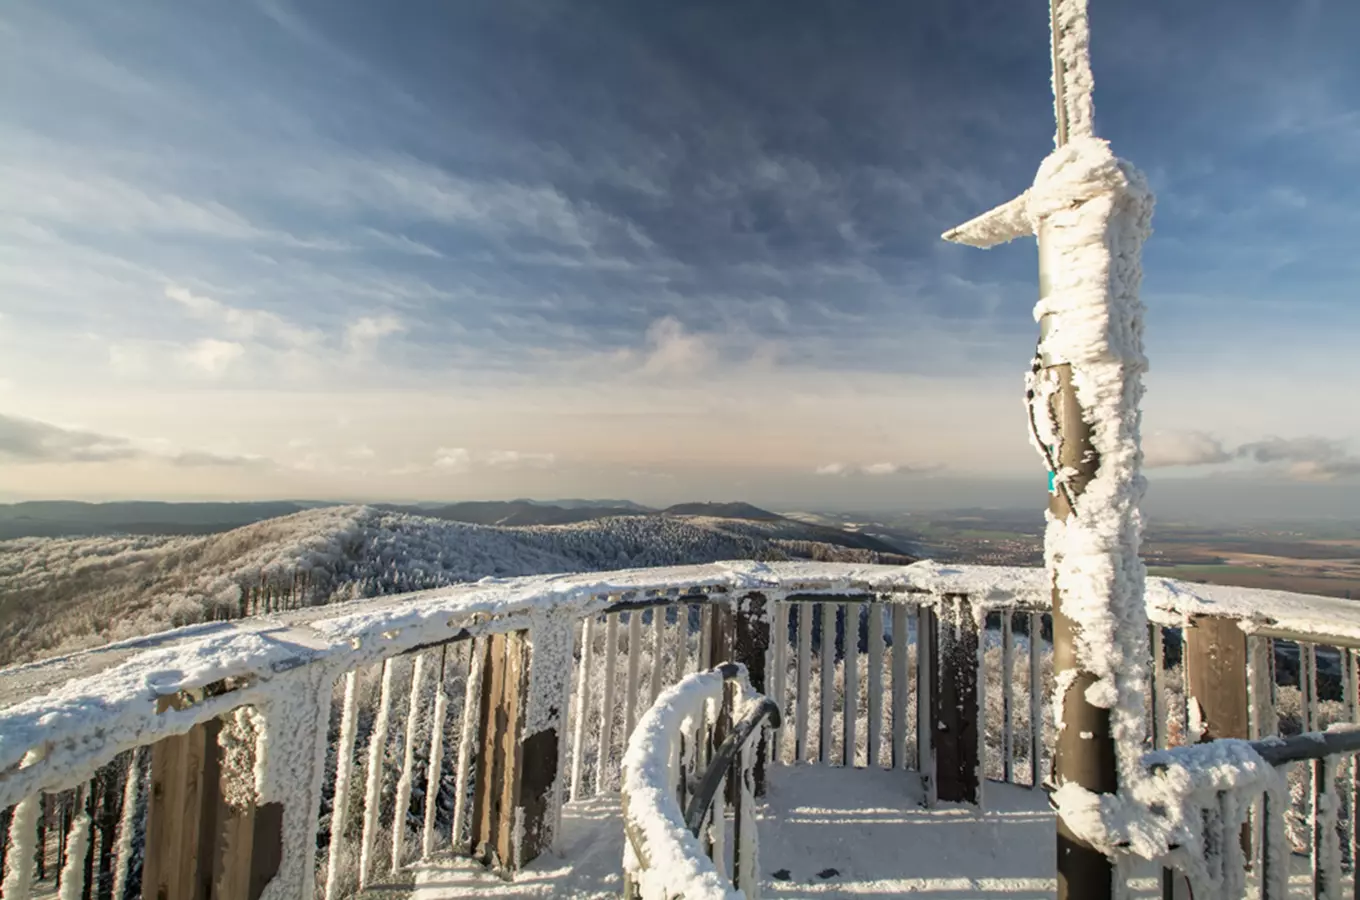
(322, 750)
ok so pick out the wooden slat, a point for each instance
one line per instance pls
(632, 682)
(344, 773)
(377, 753)
(749, 631)
(779, 635)
(850, 716)
(901, 688)
(875, 713)
(1036, 701)
(604, 764)
(927, 663)
(510, 749)
(828, 693)
(490, 762)
(584, 671)
(681, 640)
(472, 716)
(402, 807)
(957, 708)
(803, 727)
(658, 653)
(1007, 698)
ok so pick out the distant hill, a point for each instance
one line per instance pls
(57, 518)
(60, 594)
(520, 512)
(721, 511)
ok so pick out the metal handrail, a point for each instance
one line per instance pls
(708, 786)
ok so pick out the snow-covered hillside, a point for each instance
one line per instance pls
(64, 593)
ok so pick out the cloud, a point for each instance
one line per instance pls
(32, 442)
(211, 356)
(516, 459)
(671, 350)
(455, 458)
(244, 324)
(1305, 458)
(363, 333)
(871, 470)
(1183, 448)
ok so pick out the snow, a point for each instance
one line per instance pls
(20, 862)
(73, 872)
(84, 710)
(675, 864)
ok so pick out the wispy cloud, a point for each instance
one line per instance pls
(30, 441)
(250, 324)
(1304, 458)
(870, 470)
(363, 333)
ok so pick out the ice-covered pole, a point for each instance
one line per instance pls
(1091, 213)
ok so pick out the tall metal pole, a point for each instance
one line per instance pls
(1085, 754)
(1084, 750)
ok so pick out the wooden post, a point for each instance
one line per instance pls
(955, 704)
(516, 801)
(199, 846)
(1216, 665)
(751, 645)
(1215, 659)
(178, 806)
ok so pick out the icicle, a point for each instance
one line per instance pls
(377, 746)
(20, 861)
(408, 765)
(344, 771)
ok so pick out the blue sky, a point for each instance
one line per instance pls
(475, 249)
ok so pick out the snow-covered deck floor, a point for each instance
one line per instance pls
(866, 826)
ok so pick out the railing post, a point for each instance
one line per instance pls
(209, 835)
(503, 668)
(1216, 669)
(526, 676)
(544, 753)
(1215, 659)
(751, 645)
(955, 704)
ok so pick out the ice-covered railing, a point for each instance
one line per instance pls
(689, 766)
(316, 750)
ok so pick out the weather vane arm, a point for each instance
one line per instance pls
(1005, 223)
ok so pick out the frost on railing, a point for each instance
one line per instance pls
(866, 661)
(677, 843)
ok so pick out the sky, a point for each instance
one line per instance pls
(665, 251)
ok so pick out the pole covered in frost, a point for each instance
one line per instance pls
(1091, 213)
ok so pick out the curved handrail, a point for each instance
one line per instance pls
(722, 760)
(665, 856)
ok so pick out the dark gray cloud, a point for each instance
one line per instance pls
(30, 441)
(1311, 458)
